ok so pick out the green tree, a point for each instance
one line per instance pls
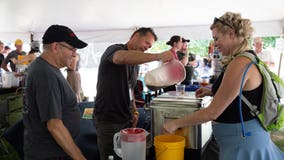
(200, 47)
(269, 41)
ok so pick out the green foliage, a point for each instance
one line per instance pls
(200, 47)
(269, 41)
(159, 46)
(12, 153)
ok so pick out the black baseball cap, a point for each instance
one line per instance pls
(59, 33)
(185, 40)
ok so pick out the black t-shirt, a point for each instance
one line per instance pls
(13, 54)
(1, 58)
(112, 104)
(180, 55)
(47, 96)
(191, 57)
(188, 69)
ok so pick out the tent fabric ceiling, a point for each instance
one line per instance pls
(114, 21)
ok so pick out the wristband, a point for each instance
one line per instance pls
(136, 113)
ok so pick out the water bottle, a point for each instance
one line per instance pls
(110, 157)
(217, 63)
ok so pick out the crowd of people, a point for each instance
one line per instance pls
(52, 119)
(18, 60)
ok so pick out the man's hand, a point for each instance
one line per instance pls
(135, 120)
(13, 59)
(166, 56)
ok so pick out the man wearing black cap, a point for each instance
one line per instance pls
(51, 116)
(116, 80)
(188, 60)
(182, 53)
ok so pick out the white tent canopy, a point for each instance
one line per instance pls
(104, 21)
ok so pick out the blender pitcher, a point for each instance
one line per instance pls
(130, 143)
(168, 74)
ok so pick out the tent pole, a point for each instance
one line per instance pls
(32, 37)
(280, 64)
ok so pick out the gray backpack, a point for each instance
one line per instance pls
(271, 113)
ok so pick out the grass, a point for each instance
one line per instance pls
(278, 138)
(11, 155)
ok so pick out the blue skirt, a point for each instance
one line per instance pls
(257, 146)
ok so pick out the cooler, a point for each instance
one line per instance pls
(168, 107)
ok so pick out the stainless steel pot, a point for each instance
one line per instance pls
(168, 107)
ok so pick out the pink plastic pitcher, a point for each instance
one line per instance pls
(130, 143)
(168, 74)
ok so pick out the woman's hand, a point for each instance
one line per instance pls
(170, 127)
(201, 92)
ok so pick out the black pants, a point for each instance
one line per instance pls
(212, 150)
(105, 133)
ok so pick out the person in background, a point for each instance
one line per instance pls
(176, 44)
(74, 77)
(264, 55)
(115, 106)
(1, 46)
(2, 56)
(183, 53)
(189, 61)
(51, 116)
(13, 54)
(232, 34)
(138, 90)
(32, 55)
(6, 51)
(205, 68)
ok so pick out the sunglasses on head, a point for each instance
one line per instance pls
(223, 22)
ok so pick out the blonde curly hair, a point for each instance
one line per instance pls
(242, 27)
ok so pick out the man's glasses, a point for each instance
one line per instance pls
(70, 48)
(223, 22)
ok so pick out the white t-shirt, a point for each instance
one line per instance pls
(266, 56)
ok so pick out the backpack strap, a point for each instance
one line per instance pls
(244, 133)
(253, 108)
(249, 55)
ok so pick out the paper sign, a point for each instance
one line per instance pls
(88, 113)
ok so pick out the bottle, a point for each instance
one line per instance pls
(217, 63)
(110, 157)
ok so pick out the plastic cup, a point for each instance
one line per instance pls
(7, 79)
(180, 90)
(204, 81)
